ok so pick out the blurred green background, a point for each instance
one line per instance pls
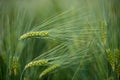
(86, 22)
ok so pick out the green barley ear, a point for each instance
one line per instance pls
(118, 70)
(36, 63)
(34, 34)
(49, 69)
(117, 55)
(14, 66)
(110, 58)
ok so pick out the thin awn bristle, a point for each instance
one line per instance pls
(34, 34)
(49, 69)
(36, 63)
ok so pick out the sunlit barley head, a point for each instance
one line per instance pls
(48, 70)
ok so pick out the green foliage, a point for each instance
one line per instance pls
(59, 39)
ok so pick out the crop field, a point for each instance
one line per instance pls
(59, 40)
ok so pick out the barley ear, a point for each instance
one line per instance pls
(110, 58)
(36, 63)
(118, 69)
(14, 66)
(34, 34)
(117, 55)
(49, 69)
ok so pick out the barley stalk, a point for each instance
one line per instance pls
(34, 34)
(49, 69)
(36, 63)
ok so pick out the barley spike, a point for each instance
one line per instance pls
(111, 58)
(49, 69)
(36, 63)
(34, 34)
(118, 69)
(117, 55)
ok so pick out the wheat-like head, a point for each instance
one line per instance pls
(14, 66)
(36, 63)
(49, 69)
(34, 34)
(111, 58)
(118, 69)
(117, 55)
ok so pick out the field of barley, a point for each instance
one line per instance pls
(59, 40)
